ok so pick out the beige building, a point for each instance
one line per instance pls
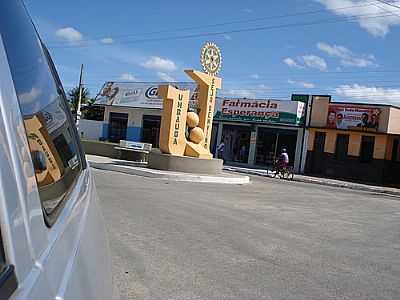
(354, 141)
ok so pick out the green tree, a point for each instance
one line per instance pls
(73, 98)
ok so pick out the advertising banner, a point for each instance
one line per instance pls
(353, 117)
(260, 111)
(139, 95)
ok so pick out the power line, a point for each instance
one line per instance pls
(251, 29)
(384, 9)
(99, 38)
(393, 89)
(343, 87)
(269, 81)
(388, 3)
(291, 81)
(318, 75)
(235, 92)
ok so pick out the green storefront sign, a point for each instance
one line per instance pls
(300, 98)
(260, 111)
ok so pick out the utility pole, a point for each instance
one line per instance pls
(78, 107)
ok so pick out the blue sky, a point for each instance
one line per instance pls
(270, 49)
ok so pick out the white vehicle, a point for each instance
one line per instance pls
(52, 243)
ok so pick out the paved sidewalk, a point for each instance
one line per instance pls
(133, 168)
(321, 181)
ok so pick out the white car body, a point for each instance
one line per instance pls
(67, 260)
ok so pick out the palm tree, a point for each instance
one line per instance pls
(73, 98)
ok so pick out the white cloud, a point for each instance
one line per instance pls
(347, 57)
(165, 77)
(69, 34)
(255, 76)
(240, 93)
(263, 87)
(159, 64)
(227, 37)
(30, 96)
(315, 62)
(128, 77)
(369, 93)
(107, 40)
(376, 26)
(247, 10)
(307, 85)
(292, 63)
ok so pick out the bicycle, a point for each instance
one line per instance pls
(284, 172)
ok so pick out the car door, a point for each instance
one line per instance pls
(62, 225)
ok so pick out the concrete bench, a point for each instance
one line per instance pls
(133, 151)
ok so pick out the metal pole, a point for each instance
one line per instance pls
(78, 107)
(276, 145)
(305, 126)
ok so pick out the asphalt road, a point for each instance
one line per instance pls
(267, 240)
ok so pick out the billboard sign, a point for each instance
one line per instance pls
(140, 95)
(260, 111)
(353, 117)
(301, 98)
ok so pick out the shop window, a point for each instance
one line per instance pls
(266, 147)
(271, 141)
(367, 149)
(237, 141)
(396, 150)
(342, 146)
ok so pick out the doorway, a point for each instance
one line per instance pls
(237, 142)
(318, 156)
(270, 143)
(117, 127)
(151, 130)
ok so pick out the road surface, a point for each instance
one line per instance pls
(270, 239)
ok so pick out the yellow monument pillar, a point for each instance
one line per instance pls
(175, 117)
(208, 86)
(173, 121)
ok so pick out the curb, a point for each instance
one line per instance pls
(178, 177)
(337, 184)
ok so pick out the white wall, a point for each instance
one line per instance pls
(135, 115)
(89, 129)
(298, 156)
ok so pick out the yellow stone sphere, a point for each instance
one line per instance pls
(192, 119)
(196, 135)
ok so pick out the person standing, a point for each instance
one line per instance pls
(220, 150)
(243, 152)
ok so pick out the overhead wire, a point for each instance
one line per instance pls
(348, 19)
(388, 3)
(221, 33)
(99, 38)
